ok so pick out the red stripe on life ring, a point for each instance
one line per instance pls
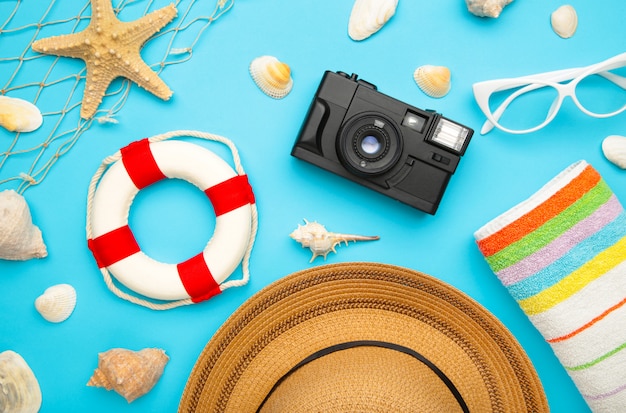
(140, 164)
(197, 279)
(113, 246)
(230, 194)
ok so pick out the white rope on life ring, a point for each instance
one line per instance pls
(111, 193)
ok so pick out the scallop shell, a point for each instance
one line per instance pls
(564, 21)
(369, 16)
(129, 373)
(433, 80)
(272, 76)
(57, 303)
(19, 238)
(486, 8)
(19, 389)
(614, 148)
(19, 115)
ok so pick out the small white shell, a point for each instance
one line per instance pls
(19, 389)
(369, 16)
(57, 303)
(271, 76)
(614, 148)
(564, 21)
(18, 115)
(433, 80)
(486, 8)
(19, 238)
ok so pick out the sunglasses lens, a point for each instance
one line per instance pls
(600, 94)
(526, 108)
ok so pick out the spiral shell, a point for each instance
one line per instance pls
(19, 115)
(369, 16)
(272, 76)
(129, 373)
(19, 238)
(19, 389)
(486, 8)
(564, 21)
(57, 303)
(614, 148)
(433, 80)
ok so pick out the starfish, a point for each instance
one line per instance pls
(110, 49)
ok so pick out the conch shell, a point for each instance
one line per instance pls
(564, 21)
(433, 80)
(19, 389)
(129, 373)
(315, 237)
(614, 148)
(369, 16)
(56, 303)
(486, 8)
(272, 76)
(19, 238)
(19, 115)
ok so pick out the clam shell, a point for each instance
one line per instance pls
(433, 80)
(19, 238)
(564, 21)
(57, 303)
(19, 115)
(129, 373)
(19, 389)
(272, 76)
(369, 16)
(614, 148)
(486, 8)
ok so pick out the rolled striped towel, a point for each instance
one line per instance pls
(562, 256)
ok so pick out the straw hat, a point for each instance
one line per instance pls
(361, 337)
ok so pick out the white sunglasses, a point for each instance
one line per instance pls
(603, 95)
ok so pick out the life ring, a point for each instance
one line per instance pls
(113, 244)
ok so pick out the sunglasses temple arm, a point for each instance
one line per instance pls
(618, 80)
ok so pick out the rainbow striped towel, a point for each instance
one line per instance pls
(562, 256)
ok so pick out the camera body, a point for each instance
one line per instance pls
(356, 132)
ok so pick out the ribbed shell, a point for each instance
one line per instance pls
(433, 80)
(272, 76)
(369, 16)
(57, 303)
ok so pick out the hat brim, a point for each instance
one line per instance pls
(249, 362)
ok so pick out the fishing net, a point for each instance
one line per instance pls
(56, 84)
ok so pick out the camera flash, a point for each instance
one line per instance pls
(451, 135)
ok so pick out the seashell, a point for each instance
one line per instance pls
(486, 8)
(315, 237)
(271, 76)
(129, 373)
(56, 303)
(19, 115)
(369, 16)
(614, 148)
(19, 238)
(19, 389)
(433, 80)
(564, 21)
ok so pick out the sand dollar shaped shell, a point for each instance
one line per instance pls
(369, 16)
(272, 76)
(19, 115)
(433, 80)
(129, 373)
(564, 21)
(19, 238)
(614, 148)
(19, 389)
(56, 303)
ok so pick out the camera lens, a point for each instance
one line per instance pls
(369, 144)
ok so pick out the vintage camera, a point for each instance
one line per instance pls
(406, 153)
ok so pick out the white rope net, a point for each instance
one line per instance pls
(55, 84)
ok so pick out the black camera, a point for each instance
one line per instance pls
(406, 153)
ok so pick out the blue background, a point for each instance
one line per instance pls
(213, 92)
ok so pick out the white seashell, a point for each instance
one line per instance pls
(19, 115)
(315, 237)
(369, 16)
(486, 8)
(19, 238)
(271, 76)
(564, 21)
(614, 148)
(433, 80)
(57, 303)
(19, 389)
